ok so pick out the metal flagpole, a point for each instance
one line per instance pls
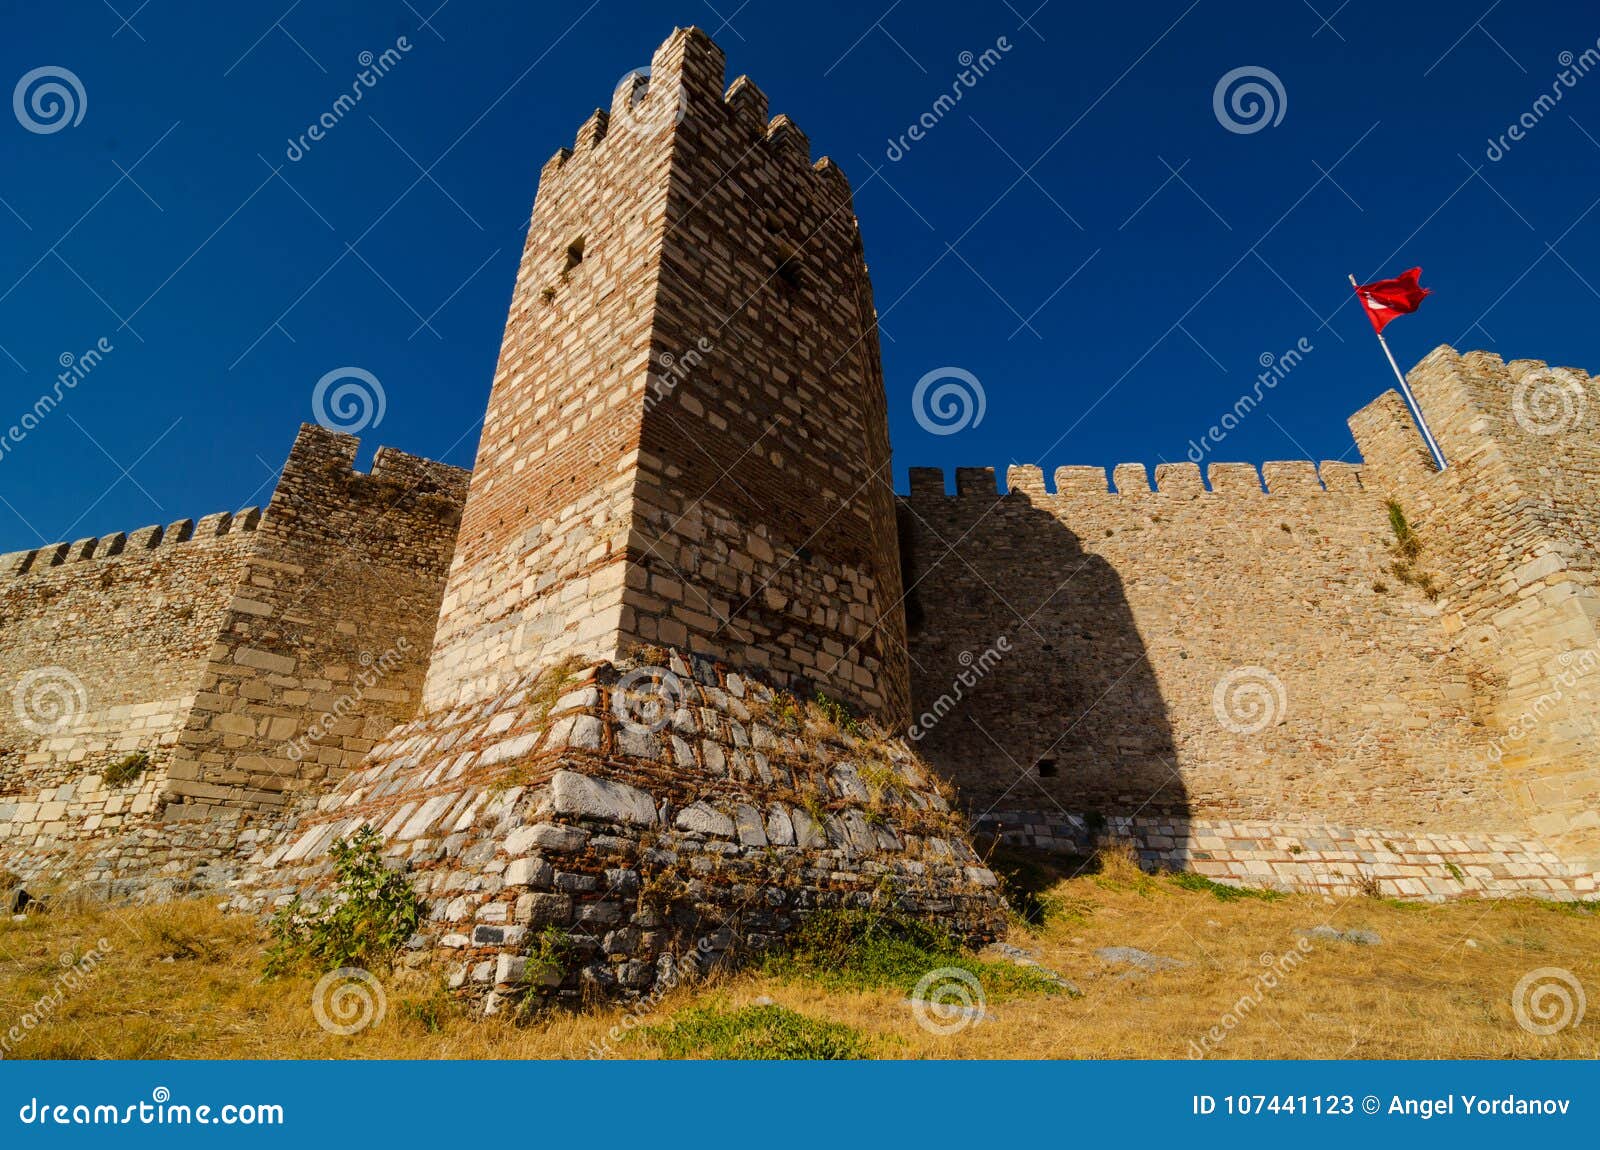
(1405, 390)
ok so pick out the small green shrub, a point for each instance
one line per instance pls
(126, 769)
(550, 954)
(754, 1032)
(432, 1013)
(371, 914)
(839, 715)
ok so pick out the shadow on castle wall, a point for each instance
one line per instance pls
(1031, 684)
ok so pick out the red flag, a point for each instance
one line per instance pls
(1386, 299)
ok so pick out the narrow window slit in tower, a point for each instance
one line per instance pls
(789, 270)
(1047, 768)
(574, 255)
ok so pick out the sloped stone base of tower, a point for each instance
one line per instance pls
(605, 830)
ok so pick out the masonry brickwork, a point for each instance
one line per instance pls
(687, 440)
(572, 691)
(247, 655)
(1243, 651)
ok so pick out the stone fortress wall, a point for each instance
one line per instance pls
(245, 654)
(1192, 659)
(684, 466)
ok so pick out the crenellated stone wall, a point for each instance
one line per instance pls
(238, 658)
(325, 644)
(1260, 648)
(102, 643)
(1186, 651)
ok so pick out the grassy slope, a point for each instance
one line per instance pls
(183, 981)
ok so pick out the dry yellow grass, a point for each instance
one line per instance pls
(182, 981)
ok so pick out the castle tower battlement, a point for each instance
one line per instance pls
(1511, 529)
(687, 439)
(167, 681)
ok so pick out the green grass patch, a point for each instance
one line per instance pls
(860, 950)
(753, 1032)
(1221, 891)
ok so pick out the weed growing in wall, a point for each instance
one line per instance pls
(1407, 548)
(548, 958)
(127, 769)
(371, 914)
(837, 715)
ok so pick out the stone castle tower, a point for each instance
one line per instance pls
(680, 528)
(687, 443)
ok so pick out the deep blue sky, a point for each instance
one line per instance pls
(222, 290)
